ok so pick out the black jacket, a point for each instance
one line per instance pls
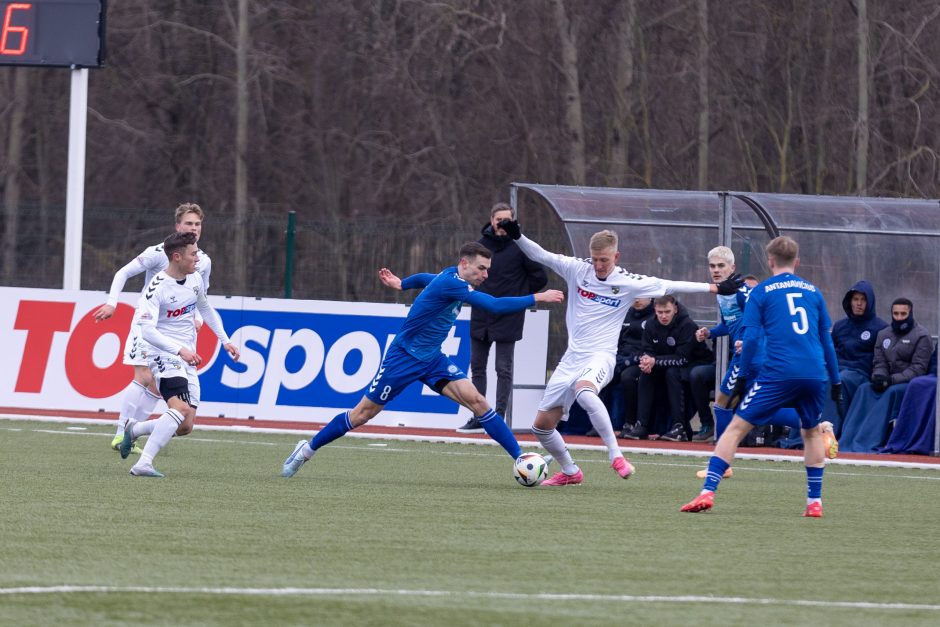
(630, 346)
(675, 346)
(511, 274)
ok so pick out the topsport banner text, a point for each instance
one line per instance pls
(301, 360)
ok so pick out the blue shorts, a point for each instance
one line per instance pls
(764, 398)
(399, 370)
(733, 372)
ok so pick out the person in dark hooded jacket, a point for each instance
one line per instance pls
(511, 274)
(669, 351)
(902, 352)
(854, 340)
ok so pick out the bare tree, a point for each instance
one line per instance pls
(571, 94)
(863, 130)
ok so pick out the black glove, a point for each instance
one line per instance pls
(835, 392)
(880, 383)
(739, 389)
(730, 285)
(511, 227)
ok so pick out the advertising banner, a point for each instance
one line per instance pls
(300, 360)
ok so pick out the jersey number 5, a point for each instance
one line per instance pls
(801, 325)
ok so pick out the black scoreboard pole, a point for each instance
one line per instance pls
(61, 33)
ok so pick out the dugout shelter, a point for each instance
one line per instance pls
(893, 243)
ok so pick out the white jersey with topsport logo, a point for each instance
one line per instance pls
(597, 307)
(166, 320)
(167, 309)
(594, 317)
(151, 261)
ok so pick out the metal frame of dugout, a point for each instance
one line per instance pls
(893, 243)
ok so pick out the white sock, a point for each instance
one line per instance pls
(810, 501)
(163, 431)
(140, 429)
(134, 396)
(600, 420)
(552, 442)
(146, 405)
(306, 451)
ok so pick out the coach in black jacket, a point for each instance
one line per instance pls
(669, 349)
(511, 274)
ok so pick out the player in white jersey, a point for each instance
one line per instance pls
(600, 292)
(141, 396)
(166, 317)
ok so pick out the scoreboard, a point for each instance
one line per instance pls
(52, 33)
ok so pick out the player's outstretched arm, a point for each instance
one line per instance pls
(549, 296)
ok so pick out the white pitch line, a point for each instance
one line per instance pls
(515, 596)
(382, 448)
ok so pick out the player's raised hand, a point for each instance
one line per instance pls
(730, 285)
(103, 313)
(702, 334)
(388, 278)
(549, 296)
(511, 227)
(233, 351)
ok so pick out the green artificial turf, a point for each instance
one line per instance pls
(374, 532)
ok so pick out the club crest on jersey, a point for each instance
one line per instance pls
(866, 335)
(671, 341)
(615, 289)
(597, 298)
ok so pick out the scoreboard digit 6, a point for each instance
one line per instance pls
(53, 33)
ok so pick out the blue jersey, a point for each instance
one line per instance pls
(434, 311)
(731, 309)
(791, 314)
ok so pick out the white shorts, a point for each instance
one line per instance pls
(573, 367)
(137, 352)
(166, 366)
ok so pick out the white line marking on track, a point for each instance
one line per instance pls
(618, 598)
(383, 447)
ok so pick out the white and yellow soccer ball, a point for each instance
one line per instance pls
(530, 469)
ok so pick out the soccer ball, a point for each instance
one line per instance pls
(530, 469)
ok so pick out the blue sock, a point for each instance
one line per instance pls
(334, 430)
(716, 470)
(787, 417)
(814, 482)
(496, 428)
(722, 420)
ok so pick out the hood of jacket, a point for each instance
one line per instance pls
(865, 288)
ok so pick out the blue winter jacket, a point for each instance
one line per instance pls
(854, 336)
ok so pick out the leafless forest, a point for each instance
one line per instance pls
(390, 126)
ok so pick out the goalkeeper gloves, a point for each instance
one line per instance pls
(730, 285)
(511, 227)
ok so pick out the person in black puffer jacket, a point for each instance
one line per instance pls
(629, 351)
(669, 351)
(511, 274)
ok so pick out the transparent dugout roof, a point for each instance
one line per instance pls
(892, 243)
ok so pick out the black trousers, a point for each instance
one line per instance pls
(671, 378)
(629, 379)
(479, 355)
(702, 384)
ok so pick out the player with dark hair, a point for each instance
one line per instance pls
(800, 359)
(166, 316)
(142, 396)
(415, 354)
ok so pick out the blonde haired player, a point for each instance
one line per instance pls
(142, 396)
(166, 317)
(599, 294)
